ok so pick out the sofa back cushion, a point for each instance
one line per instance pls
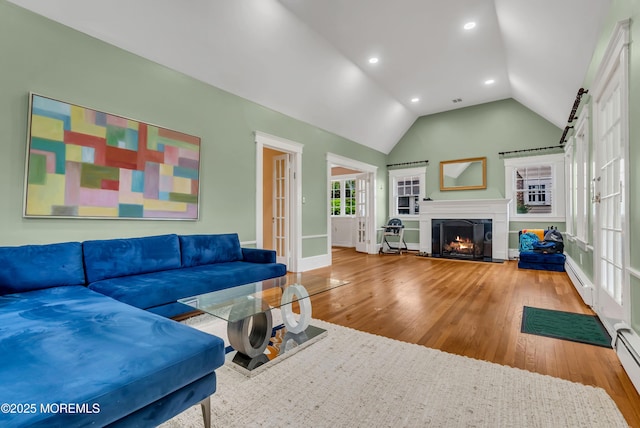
(33, 267)
(206, 249)
(112, 258)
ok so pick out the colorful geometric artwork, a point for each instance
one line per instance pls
(83, 163)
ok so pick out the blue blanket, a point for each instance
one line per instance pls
(527, 240)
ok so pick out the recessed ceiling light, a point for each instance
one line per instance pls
(415, 99)
(469, 25)
(373, 60)
(489, 82)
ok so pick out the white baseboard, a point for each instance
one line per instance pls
(580, 281)
(315, 262)
(627, 346)
(411, 246)
(513, 254)
(343, 244)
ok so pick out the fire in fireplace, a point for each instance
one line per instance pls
(463, 246)
(462, 239)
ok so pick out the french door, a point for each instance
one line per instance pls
(610, 111)
(363, 216)
(281, 208)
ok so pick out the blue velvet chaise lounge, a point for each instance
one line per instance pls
(78, 348)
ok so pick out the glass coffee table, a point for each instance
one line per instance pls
(250, 309)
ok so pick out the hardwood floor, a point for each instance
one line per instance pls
(472, 309)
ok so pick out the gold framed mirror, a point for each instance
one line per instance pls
(463, 174)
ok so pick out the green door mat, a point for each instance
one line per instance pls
(565, 325)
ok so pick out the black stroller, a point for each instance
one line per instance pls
(394, 232)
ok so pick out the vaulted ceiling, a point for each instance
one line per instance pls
(309, 59)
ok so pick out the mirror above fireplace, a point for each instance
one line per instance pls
(463, 174)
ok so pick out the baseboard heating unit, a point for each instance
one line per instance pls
(627, 344)
(580, 281)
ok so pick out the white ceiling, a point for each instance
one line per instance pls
(309, 58)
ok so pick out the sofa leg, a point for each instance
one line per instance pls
(206, 411)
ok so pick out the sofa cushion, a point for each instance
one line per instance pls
(205, 249)
(532, 257)
(171, 310)
(539, 261)
(113, 258)
(72, 345)
(258, 255)
(158, 288)
(33, 267)
(554, 267)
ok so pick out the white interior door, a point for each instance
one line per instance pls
(281, 208)
(363, 217)
(610, 202)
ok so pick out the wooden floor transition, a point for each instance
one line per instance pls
(472, 309)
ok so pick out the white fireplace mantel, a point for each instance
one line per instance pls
(495, 209)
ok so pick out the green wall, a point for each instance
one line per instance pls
(478, 131)
(50, 59)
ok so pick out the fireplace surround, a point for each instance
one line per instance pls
(496, 210)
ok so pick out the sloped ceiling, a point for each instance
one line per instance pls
(309, 59)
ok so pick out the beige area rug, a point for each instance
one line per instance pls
(356, 379)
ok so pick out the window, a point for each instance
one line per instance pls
(535, 185)
(343, 197)
(533, 188)
(407, 190)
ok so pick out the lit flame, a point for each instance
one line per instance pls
(462, 244)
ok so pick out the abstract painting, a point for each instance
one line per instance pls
(83, 163)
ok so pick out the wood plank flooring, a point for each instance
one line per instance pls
(472, 309)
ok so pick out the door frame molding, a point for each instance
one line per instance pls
(616, 58)
(294, 150)
(337, 160)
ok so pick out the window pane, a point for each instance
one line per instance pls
(404, 205)
(534, 186)
(407, 190)
(335, 189)
(335, 207)
(350, 206)
(335, 197)
(349, 187)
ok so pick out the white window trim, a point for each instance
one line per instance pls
(569, 165)
(581, 163)
(405, 172)
(558, 208)
(342, 179)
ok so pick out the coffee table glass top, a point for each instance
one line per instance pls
(236, 303)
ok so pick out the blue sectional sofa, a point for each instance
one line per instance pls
(152, 273)
(76, 346)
